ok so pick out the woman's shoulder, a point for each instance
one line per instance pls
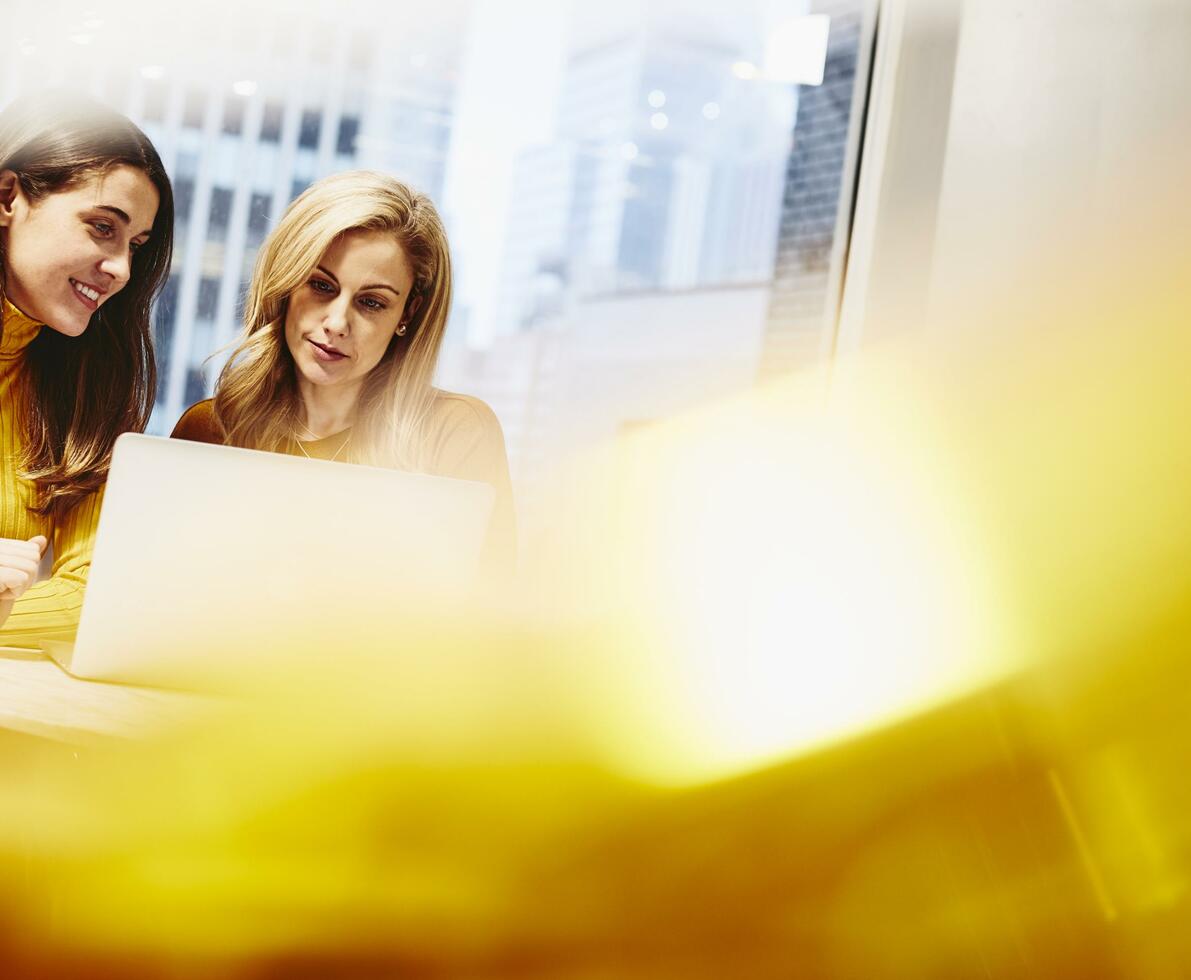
(199, 424)
(452, 411)
(465, 439)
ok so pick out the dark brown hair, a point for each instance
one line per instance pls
(82, 392)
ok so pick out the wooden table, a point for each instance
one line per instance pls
(37, 697)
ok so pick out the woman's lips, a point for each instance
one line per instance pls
(322, 353)
(92, 303)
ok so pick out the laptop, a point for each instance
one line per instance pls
(212, 560)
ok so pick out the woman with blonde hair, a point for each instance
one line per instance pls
(86, 232)
(343, 325)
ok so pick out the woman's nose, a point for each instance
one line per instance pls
(118, 268)
(335, 318)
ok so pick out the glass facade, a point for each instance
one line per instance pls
(633, 164)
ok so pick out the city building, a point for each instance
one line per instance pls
(666, 173)
(816, 211)
(682, 237)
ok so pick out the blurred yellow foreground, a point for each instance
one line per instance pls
(884, 674)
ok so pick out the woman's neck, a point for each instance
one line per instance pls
(326, 409)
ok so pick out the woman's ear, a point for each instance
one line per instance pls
(412, 307)
(10, 188)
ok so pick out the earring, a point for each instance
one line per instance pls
(401, 328)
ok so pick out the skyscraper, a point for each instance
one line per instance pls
(666, 174)
(817, 203)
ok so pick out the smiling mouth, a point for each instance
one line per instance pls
(89, 294)
(324, 353)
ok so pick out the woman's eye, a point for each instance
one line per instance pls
(372, 304)
(321, 286)
(104, 228)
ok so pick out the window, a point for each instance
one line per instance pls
(242, 299)
(349, 129)
(208, 298)
(193, 109)
(312, 122)
(271, 120)
(196, 387)
(163, 329)
(233, 115)
(220, 214)
(258, 217)
(183, 199)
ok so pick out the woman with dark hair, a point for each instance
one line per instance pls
(86, 233)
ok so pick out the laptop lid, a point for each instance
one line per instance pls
(209, 555)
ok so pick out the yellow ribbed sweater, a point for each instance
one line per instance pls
(50, 610)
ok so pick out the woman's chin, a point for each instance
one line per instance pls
(70, 326)
(315, 374)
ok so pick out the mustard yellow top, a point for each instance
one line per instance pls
(50, 610)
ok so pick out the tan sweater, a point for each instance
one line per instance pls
(50, 610)
(465, 441)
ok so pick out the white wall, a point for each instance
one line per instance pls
(1002, 135)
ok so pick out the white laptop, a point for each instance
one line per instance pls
(210, 558)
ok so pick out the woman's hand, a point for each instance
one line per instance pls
(19, 561)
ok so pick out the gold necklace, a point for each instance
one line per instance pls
(342, 445)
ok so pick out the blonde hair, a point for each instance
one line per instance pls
(256, 397)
